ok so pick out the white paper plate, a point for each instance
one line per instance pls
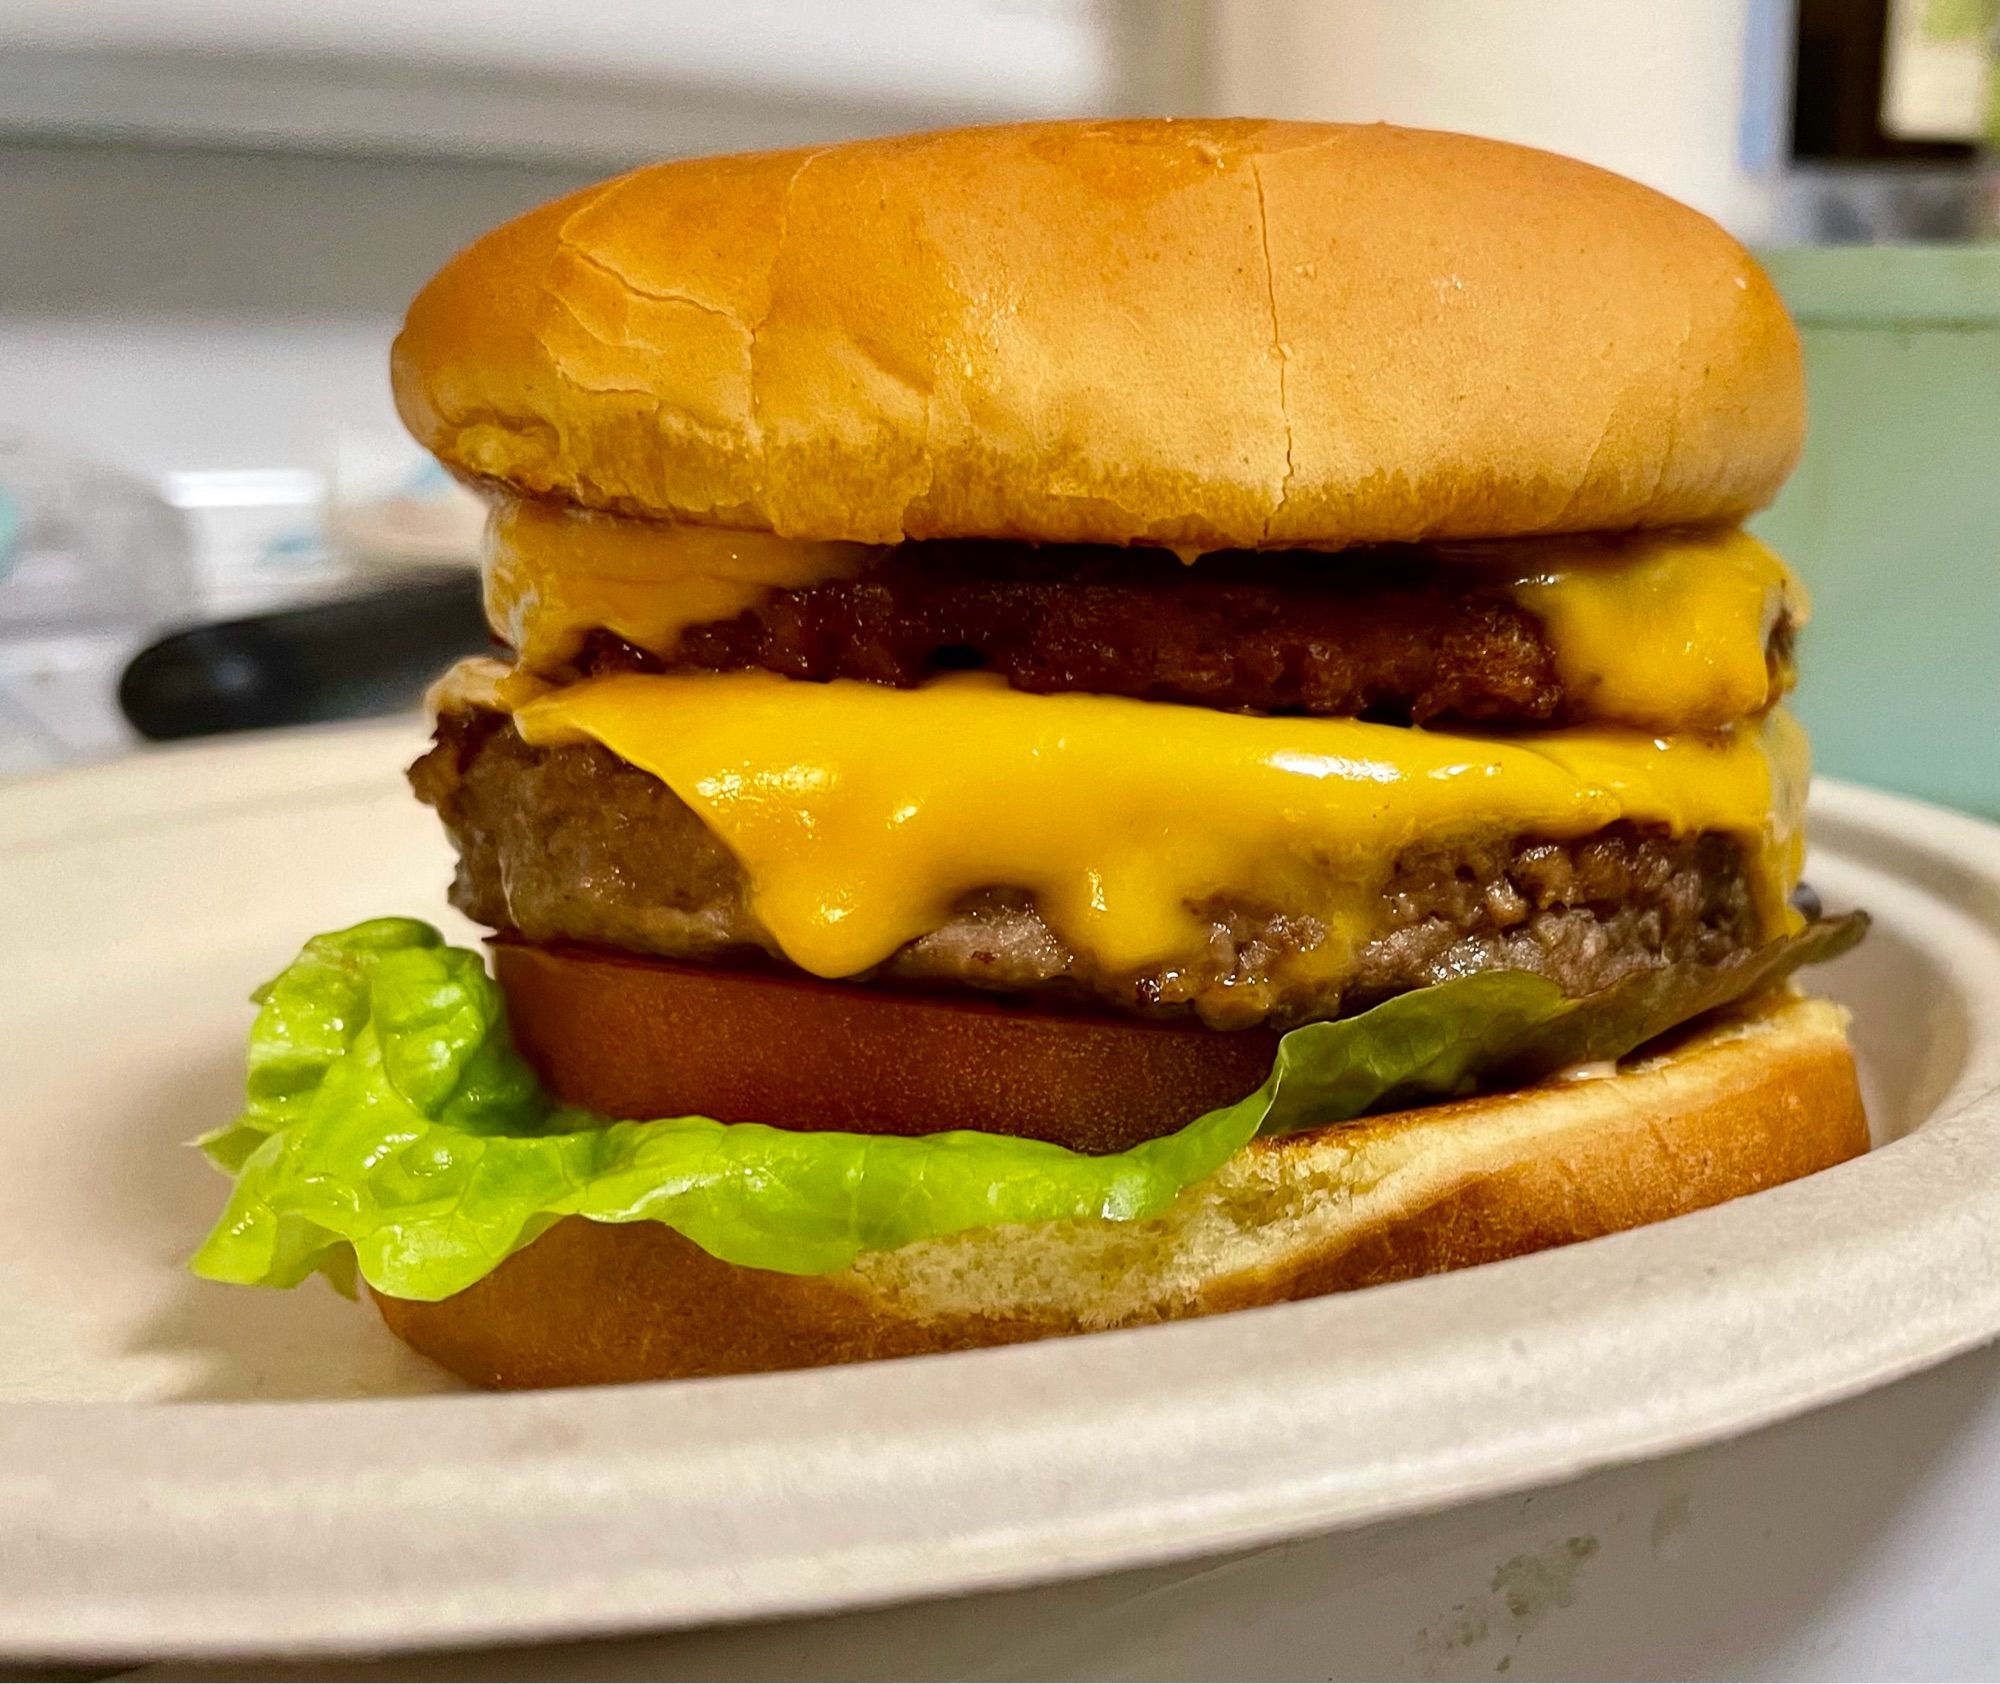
(147, 1508)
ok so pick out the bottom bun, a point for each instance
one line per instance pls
(1759, 1099)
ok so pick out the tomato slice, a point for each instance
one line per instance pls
(634, 1037)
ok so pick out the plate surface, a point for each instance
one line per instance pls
(193, 1468)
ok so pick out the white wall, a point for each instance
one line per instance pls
(520, 78)
(173, 310)
(1655, 89)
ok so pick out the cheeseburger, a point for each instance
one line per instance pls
(1098, 723)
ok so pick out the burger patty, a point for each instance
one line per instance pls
(571, 843)
(1398, 637)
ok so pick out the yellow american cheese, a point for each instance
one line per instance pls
(553, 575)
(861, 815)
(1662, 630)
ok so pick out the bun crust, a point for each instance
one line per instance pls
(1207, 334)
(1739, 1107)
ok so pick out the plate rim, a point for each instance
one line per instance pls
(1210, 1435)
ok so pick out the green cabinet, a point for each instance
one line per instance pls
(1893, 518)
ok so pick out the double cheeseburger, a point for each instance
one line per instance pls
(1099, 722)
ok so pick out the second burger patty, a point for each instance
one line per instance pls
(1397, 637)
(572, 843)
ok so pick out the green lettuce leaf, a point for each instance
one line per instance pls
(390, 1125)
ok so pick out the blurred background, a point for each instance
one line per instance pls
(212, 213)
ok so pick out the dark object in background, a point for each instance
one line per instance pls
(1837, 87)
(349, 659)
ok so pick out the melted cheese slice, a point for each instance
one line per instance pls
(1666, 630)
(1662, 630)
(554, 575)
(862, 815)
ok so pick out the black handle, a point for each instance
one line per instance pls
(348, 659)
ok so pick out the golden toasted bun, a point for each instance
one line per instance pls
(1757, 1101)
(1205, 334)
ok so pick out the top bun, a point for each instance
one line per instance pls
(1200, 334)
